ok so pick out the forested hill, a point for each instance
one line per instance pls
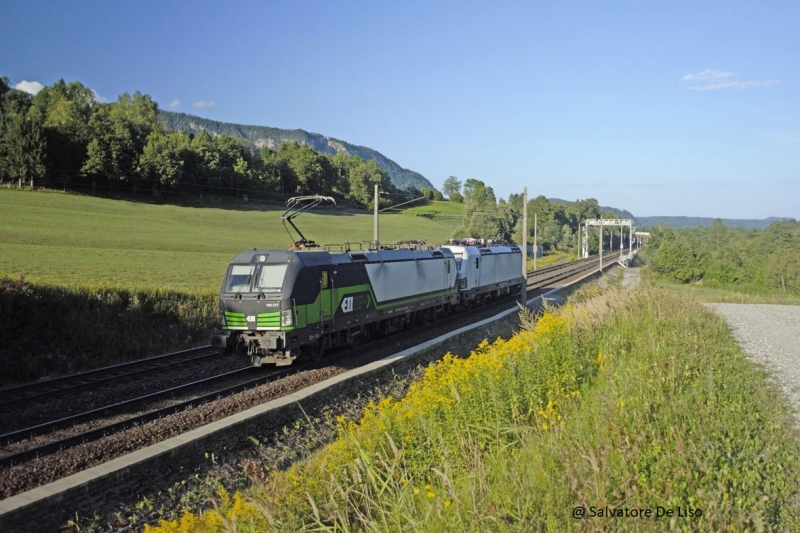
(266, 137)
(694, 222)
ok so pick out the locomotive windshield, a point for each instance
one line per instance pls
(245, 278)
(270, 277)
(239, 278)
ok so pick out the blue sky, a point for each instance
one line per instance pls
(661, 108)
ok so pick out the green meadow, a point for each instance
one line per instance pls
(436, 208)
(65, 239)
(739, 295)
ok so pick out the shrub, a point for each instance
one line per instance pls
(50, 329)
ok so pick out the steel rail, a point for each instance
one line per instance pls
(62, 383)
(94, 434)
(541, 277)
(61, 423)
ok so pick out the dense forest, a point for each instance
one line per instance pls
(723, 256)
(63, 138)
(258, 137)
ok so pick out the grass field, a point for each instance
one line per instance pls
(65, 239)
(436, 208)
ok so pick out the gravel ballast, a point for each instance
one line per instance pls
(770, 335)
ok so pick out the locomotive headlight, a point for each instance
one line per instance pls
(222, 318)
(462, 283)
(287, 317)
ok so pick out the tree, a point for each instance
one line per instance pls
(278, 175)
(483, 218)
(311, 172)
(111, 152)
(363, 177)
(162, 160)
(22, 145)
(478, 197)
(65, 110)
(783, 269)
(679, 259)
(451, 186)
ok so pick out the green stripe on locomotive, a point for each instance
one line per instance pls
(235, 320)
(268, 320)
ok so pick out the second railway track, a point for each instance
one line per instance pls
(50, 388)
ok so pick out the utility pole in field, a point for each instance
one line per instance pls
(535, 239)
(525, 246)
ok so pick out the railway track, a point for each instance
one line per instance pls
(549, 275)
(22, 445)
(74, 382)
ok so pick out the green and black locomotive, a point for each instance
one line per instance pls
(276, 305)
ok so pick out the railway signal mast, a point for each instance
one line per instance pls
(606, 222)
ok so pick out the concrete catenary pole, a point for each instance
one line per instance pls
(601, 244)
(535, 239)
(376, 216)
(630, 240)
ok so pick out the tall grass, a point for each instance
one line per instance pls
(626, 401)
(49, 329)
(739, 294)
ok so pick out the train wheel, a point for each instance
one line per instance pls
(367, 333)
(317, 350)
(240, 348)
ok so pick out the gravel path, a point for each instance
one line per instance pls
(770, 335)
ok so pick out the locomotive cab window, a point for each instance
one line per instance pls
(477, 262)
(239, 278)
(324, 280)
(270, 277)
(447, 266)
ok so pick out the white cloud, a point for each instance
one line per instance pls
(30, 87)
(202, 104)
(708, 76)
(713, 80)
(99, 98)
(175, 103)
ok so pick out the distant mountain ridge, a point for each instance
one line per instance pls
(693, 222)
(266, 137)
(676, 222)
